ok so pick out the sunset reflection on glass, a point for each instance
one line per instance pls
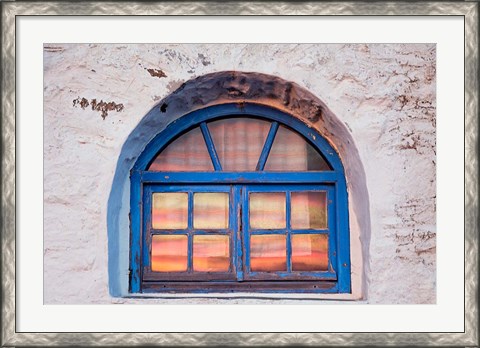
(239, 142)
(267, 210)
(169, 253)
(211, 253)
(210, 210)
(309, 252)
(170, 210)
(309, 210)
(268, 253)
(188, 153)
(290, 152)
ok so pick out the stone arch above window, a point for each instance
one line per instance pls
(243, 91)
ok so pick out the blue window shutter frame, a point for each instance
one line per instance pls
(241, 183)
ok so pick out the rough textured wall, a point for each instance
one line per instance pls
(95, 95)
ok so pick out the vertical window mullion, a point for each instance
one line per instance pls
(190, 232)
(288, 234)
(245, 230)
(235, 225)
(210, 146)
(267, 146)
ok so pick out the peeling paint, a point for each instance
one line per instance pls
(156, 72)
(101, 106)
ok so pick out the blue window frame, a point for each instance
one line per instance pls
(268, 255)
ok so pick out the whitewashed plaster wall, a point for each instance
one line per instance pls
(383, 93)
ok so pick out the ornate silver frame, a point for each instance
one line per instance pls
(11, 9)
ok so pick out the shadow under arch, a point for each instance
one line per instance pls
(238, 87)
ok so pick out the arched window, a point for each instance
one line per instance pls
(239, 197)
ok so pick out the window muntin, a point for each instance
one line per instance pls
(323, 274)
(237, 145)
(271, 247)
(291, 252)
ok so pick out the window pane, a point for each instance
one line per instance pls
(309, 210)
(211, 253)
(268, 253)
(169, 253)
(267, 210)
(186, 154)
(170, 210)
(291, 152)
(210, 210)
(309, 252)
(239, 142)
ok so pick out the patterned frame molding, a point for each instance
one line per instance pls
(469, 10)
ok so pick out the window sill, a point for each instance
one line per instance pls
(241, 296)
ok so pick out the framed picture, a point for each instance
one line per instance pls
(239, 173)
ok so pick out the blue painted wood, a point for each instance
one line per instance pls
(190, 234)
(245, 231)
(225, 286)
(275, 231)
(332, 226)
(343, 239)
(309, 231)
(324, 275)
(260, 181)
(135, 233)
(331, 231)
(267, 146)
(235, 225)
(288, 212)
(190, 208)
(239, 177)
(194, 118)
(146, 223)
(210, 146)
(186, 188)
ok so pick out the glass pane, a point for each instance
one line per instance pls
(170, 210)
(268, 253)
(309, 252)
(267, 210)
(239, 142)
(291, 152)
(309, 210)
(210, 210)
(211, 253)
(186, 154)
(169, 253)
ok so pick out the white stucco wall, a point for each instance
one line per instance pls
(384, 94)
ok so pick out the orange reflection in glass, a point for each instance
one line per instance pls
(170, 210)
(291, 152)
(309, 252)
(267, 210)
(186, 154)
(268, 253)
(210, 210)
(211, 253)
(169, 253)
(309, 210)
(239, 142)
